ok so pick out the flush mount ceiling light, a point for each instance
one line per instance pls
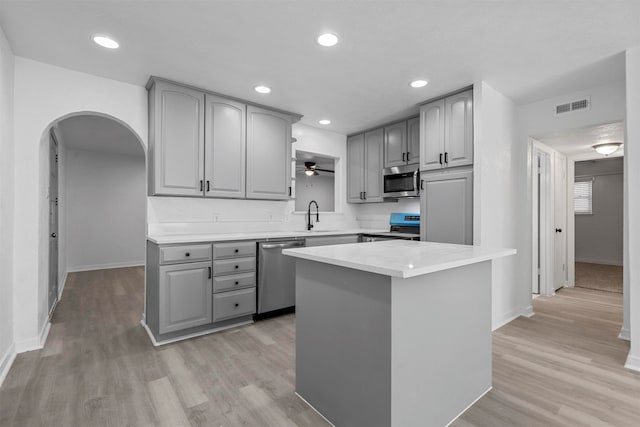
(418, 83)
(327, 39)
(607, 147)
(324, 122)
(262, 89)
(105, 41)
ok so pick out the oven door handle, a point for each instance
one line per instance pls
(416, 181)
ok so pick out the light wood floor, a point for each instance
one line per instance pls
(562, 367)
(599, 276)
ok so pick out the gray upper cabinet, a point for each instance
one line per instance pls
(225, 147)
(402, 143)
(432, 135)
(395, 145)
(413, 141)
(446, 134)
(355, 168)
(458, 134)
(184, 296)
(268, 154)
(447, 201)
(364, 166)
(176, 149)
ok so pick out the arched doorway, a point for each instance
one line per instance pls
(94, 171)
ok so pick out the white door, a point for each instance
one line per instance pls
(560, 221)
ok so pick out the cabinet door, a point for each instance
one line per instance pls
(355, 168)
(268, 154)
(446, 208)
(432, 135)
(185, 296)
(413, 141)
(395, 145)
(177, 140)
(225, 147)
(459, 129)
(373, 153)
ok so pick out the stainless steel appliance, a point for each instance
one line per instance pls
(401, 181)
(276, 276)
(402, 225)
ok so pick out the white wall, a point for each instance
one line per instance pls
(632, 205)
(44, 94)
(320, 188)
(496, 207)
(538, 118)
(598, 237)
(7, 181)
(105, 210)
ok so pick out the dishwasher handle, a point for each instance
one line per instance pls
(283, 245)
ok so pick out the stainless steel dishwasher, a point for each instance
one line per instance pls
(276, 276)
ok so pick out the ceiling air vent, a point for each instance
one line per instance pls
(567, 107)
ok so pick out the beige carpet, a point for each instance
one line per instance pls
(599, 276)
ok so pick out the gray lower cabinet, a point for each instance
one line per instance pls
(331, 240)
(185, 296)
(197, 288)
(268, 154)
(446, 204)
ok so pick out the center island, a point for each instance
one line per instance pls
(393, 333)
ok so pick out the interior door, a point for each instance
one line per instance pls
(560, 221)
(53, 221)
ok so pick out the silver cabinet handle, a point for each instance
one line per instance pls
(282, 245)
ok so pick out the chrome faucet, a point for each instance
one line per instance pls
(309, 225)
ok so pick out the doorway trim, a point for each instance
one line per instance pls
(542, 208)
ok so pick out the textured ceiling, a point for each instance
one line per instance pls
(577, 143)
(528, 50)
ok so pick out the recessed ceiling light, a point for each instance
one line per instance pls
(418, 83)
(327, 39)
(262, 89)
(324, 122)
(105, 41)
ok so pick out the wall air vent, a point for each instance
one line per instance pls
(567, 107)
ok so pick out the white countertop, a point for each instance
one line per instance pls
(399, 258)
(258, 235)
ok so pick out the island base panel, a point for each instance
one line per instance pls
(343, 343)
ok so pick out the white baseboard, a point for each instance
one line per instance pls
(625, 334)
(105, 266)
(511, 315)
(6, 362)
(186, 337)
(314, 409)
(470, 405)
(61, 282)
(600, 261)
(35, 343)
(633, 362)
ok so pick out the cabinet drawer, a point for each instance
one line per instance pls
(236, 265)
(185, 253)
(227, 305)
(234, 249)
(234, 281)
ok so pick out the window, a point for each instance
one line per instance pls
(582, 197)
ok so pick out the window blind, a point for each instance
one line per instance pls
(582, 197)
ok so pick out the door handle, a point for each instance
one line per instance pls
(446, 157)
(403, 154)
(364, 195)
(54, 235)
(209, 272)
(440, 158)
(558, 230)
(422, 184)
(201, 185)
(208, 187)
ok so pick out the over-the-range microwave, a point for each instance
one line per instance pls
(401, 181)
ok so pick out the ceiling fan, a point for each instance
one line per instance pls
(310, 169)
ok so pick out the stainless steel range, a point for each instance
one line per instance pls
(402, 225)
